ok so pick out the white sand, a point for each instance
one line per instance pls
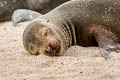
(77, 63)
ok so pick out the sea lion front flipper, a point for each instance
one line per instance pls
(105, 53)
(22, 15)
(107, 41)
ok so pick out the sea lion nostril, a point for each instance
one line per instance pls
(32, 48)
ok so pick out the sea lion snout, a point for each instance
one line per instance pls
(51, 48)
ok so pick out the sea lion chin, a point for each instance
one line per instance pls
(40, 38)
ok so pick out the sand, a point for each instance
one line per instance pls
(78, 63)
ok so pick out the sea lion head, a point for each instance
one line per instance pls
(39, 37)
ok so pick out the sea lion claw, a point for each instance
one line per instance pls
(105, 53)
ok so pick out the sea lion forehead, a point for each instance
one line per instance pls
(38, 24)
(39, 27)
(37, 31)
(32, 28)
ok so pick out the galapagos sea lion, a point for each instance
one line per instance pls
(7, 7)
(78, 22)
(22, 15)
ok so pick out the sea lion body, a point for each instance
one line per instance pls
(7, 7)
(82, 22)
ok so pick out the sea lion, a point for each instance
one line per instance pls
(22, 15)
(78, 22)
(7, 7)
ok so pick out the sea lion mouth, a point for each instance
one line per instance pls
(54, 48)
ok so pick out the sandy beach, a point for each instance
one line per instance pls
(77, 63)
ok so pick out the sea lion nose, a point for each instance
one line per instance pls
(32, 49)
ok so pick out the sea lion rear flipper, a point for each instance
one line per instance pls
(22, 15)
